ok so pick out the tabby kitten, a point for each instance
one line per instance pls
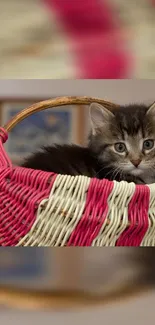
(121, 146)
(124, 140)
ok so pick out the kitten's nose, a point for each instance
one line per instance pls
(136, 162)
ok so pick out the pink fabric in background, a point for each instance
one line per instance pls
(95, 38)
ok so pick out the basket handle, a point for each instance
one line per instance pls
(59, 101)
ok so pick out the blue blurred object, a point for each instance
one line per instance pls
(19, 262)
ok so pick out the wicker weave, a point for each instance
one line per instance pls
(45, 209)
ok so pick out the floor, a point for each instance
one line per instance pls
(139, 311)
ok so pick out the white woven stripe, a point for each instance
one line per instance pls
(118, 214)
(149, 238)
(58, 215)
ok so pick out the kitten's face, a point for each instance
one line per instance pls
(125, 138)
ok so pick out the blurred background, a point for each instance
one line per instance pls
(72, 285)
(77, 39)
(41, 272)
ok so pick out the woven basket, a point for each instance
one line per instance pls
(45, 209)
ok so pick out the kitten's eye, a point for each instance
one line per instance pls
(148, 144)
(120, 147)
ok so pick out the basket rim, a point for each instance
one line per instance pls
(42, 299)
(55, 102)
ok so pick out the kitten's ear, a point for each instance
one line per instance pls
(99, 117)
(151, 110)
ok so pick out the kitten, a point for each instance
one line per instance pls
(64, 159)
(124, 140)
(121, 146)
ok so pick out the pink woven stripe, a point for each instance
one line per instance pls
(152, 2)
(96, 38)
(94, 215)
(138, 218)
(21, 191)
(4, 159)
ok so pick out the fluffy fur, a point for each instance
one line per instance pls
(129, 126)
(64, 159)
(133, 127)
